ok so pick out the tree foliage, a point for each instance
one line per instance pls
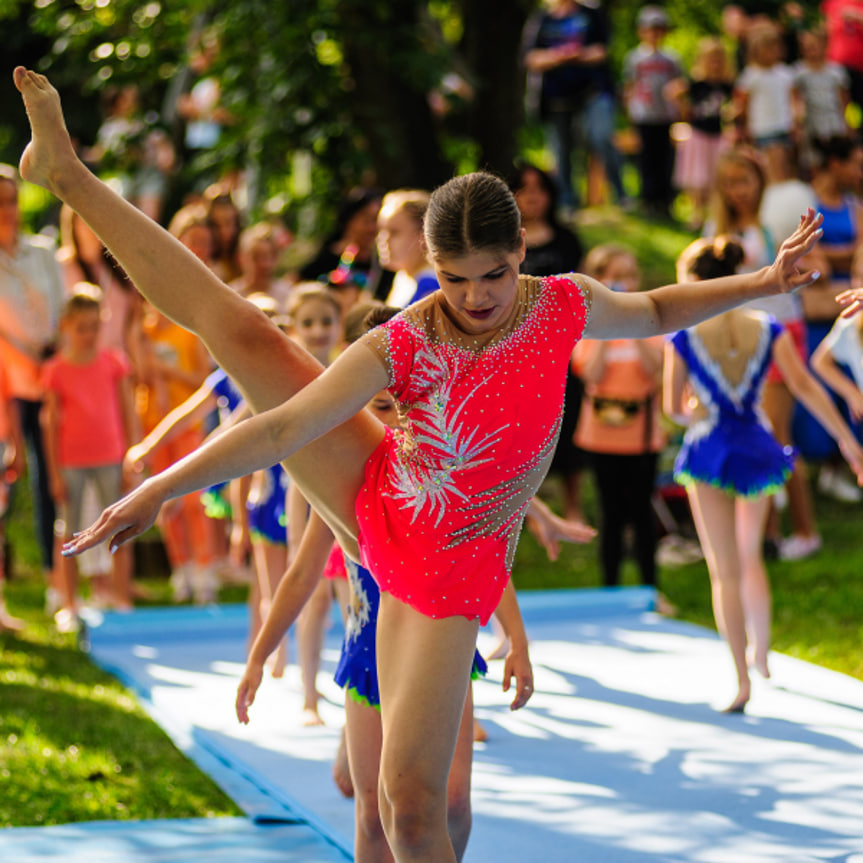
(341, 85)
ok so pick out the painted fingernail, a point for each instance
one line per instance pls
(816, 275)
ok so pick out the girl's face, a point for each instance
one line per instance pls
(317, 328)
(714, 63)
(399, 240)
(362, 227)
(739, 188)
(198, 239)
(849, 172)
(532, 197)
(480, 288)
(226, 222)
(260, 260)
(622, 274)
(812, 47)
(383, 406)
(81, 330)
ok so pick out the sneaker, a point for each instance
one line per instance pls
(832, 483)
(780, 498)
(181, 588)
(67, 621)
(797, 547)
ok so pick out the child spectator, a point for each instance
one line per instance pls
(763, 100)
(400, 246)
(259, 256)
(647, 69)
(619, 425)
(838, 360)
(11, 466)
(703, 99)
(821, 94)
(88, 425)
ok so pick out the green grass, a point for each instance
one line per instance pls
(74, 745)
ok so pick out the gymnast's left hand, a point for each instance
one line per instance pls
(122, 521)
(246, 690)
(517, 665)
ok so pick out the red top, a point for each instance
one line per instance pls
(91, 421)
(441, 510)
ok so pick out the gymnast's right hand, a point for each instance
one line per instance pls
(120, 522)
(247, 689)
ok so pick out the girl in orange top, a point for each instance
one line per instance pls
(619, 424)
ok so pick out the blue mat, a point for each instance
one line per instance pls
(621, 756)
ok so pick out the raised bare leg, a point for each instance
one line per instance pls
(265, 363)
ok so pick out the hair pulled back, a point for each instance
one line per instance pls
(711, 258)
(471, 213)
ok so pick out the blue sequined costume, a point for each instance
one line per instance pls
(357, 668)
(733, 447)
(228, 399)
(267, 512)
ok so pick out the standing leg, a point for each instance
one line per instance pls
(421, 712)
(610, 483)
(459, 817)
(363, 738)
(642, 484)
(311, 626)
(714, 514)
(751, 519)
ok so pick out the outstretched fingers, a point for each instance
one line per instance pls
(119, 523)
(851, 301)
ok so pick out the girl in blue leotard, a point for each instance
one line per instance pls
(730, 461)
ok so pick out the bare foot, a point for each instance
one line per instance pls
(341, 770)
(278, 662)
(760, 665)
(50, 150)
(740, 702)
(480, 735)
(311, 717)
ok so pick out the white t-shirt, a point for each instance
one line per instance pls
(843, 342)
(769, 91)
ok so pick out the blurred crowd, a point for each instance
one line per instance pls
(98, 389)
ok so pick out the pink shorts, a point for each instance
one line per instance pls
(335, 565)
(797, 331)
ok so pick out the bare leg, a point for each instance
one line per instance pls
(270, 563)
(714, 514)
(342, 769)
(363, 735)
(751, 516)
(311, 626)
(458, 787)
(264, 362)
(420, 724)
(779, 407)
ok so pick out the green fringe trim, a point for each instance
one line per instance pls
(686, 479)
(215, 506)
(354, 695)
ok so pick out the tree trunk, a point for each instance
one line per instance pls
(391, 112)
(491, 47)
